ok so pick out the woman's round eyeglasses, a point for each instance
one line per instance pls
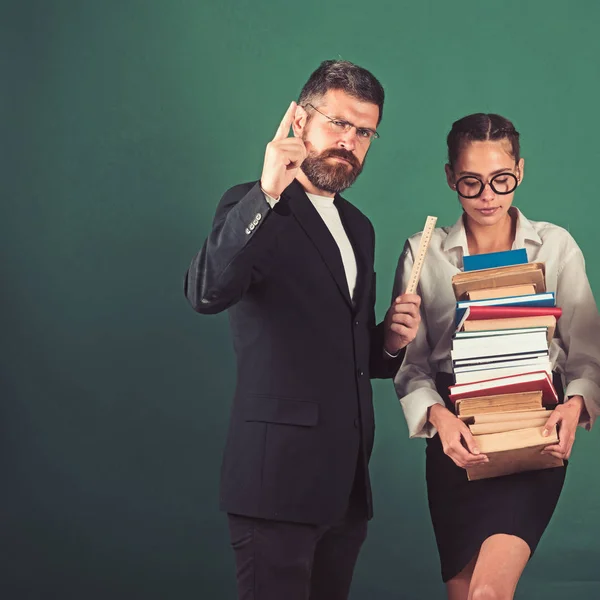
(470, 186)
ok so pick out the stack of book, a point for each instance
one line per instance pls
(505, 321)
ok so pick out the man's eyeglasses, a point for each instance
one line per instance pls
(470, 186)
(340, 126)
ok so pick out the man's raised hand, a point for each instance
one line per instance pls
(283, 156)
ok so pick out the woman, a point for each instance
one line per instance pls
(486, 530)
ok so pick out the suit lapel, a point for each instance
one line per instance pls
(317, 231)
(356, 235)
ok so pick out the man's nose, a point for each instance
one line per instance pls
(348, 139)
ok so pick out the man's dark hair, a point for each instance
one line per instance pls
(481, 127)
(346, 76)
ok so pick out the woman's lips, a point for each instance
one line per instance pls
(488, 211)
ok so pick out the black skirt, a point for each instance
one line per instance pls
(465, 513)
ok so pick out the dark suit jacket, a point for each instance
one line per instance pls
(302, 415)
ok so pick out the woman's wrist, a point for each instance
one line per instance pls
(436, 412)
(576, 403)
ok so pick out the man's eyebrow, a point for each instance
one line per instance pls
(350, 122)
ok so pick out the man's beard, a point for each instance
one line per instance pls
(333, 178)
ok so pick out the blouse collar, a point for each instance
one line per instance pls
(457, 235)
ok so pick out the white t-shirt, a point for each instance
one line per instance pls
(330, 215)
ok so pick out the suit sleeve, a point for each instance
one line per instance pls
(381, 366)
(233, 256)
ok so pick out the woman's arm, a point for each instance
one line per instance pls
(414, 381)
(424, 409)
(579, 333)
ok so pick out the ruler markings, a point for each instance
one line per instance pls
(415, 274)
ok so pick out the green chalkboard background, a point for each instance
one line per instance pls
(122, 122)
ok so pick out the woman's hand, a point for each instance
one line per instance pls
(566, 416)
(455, 435)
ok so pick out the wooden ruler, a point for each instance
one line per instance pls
(415, 274)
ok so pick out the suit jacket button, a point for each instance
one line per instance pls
(359, 372)
(356, 322)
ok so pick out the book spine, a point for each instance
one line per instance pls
(492, 260)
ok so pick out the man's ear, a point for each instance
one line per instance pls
(450, 177)
(300, 120)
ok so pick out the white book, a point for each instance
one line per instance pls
(513, 344)
(499, 361)
(485, 374)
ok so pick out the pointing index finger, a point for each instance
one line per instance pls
(284, 127)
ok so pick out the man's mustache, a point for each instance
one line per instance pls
(341, 153)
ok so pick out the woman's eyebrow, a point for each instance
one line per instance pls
(497, 172)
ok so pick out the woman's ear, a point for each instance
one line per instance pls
(450, 177)
(521, 170)
(300, 120)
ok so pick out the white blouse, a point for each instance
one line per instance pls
(574, 351)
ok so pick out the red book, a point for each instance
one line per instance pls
(526, 382)
(504, 312)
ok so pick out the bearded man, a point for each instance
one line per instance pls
(292, 261)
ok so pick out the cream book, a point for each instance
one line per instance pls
(548, 321)
(502, 292)
(525, 274)
(515, 415)
(513, 452)
(500, 426)
(499, 403)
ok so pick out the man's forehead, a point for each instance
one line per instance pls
(342, 103)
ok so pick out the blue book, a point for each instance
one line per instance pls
(463, 306)
(492, 260)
